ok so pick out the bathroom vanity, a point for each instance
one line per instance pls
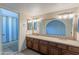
(52, 45)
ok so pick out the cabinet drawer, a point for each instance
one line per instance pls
(52, 44)
(74, 49)
(62, 46)
(28, 38)
(43, 42)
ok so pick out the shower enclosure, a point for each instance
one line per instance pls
(9, 32)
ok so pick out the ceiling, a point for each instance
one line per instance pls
(34, 9)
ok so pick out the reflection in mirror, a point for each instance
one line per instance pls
(30, 26)
(35, 25)
(56, 27)
(59, 27)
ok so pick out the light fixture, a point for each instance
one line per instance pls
(60, 17)
(29, 21)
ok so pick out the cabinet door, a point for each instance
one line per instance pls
(43, 47)
(35, 44)
(29, 42)
(74, 49)
(66, 52)
(53, 50)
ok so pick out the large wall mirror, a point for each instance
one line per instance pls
(59, 27)
(53, 27)
(29, 25)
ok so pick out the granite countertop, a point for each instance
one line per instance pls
(56, 39)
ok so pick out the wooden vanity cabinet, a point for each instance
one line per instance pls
(36, 44)
(53, 50)
(29, 42)
(68, 49)
(43, 45)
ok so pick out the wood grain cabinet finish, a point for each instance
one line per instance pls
(74, 49)
(51, 48)
(36, 44)
(43, 45)
(52, 44)
(29, 42)
(62, 46)
(67, 52)
(54, 50)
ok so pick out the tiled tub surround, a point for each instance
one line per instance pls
(52, 45)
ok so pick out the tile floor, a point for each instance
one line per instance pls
(25, 52)
(30, 52)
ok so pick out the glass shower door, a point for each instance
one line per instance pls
(14, 29)
(10, 29)
(9, 34)
(5, 30)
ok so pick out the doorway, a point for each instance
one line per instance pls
(9, 33)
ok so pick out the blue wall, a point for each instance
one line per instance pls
(55, 27)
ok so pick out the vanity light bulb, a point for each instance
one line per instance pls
(60, 17)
